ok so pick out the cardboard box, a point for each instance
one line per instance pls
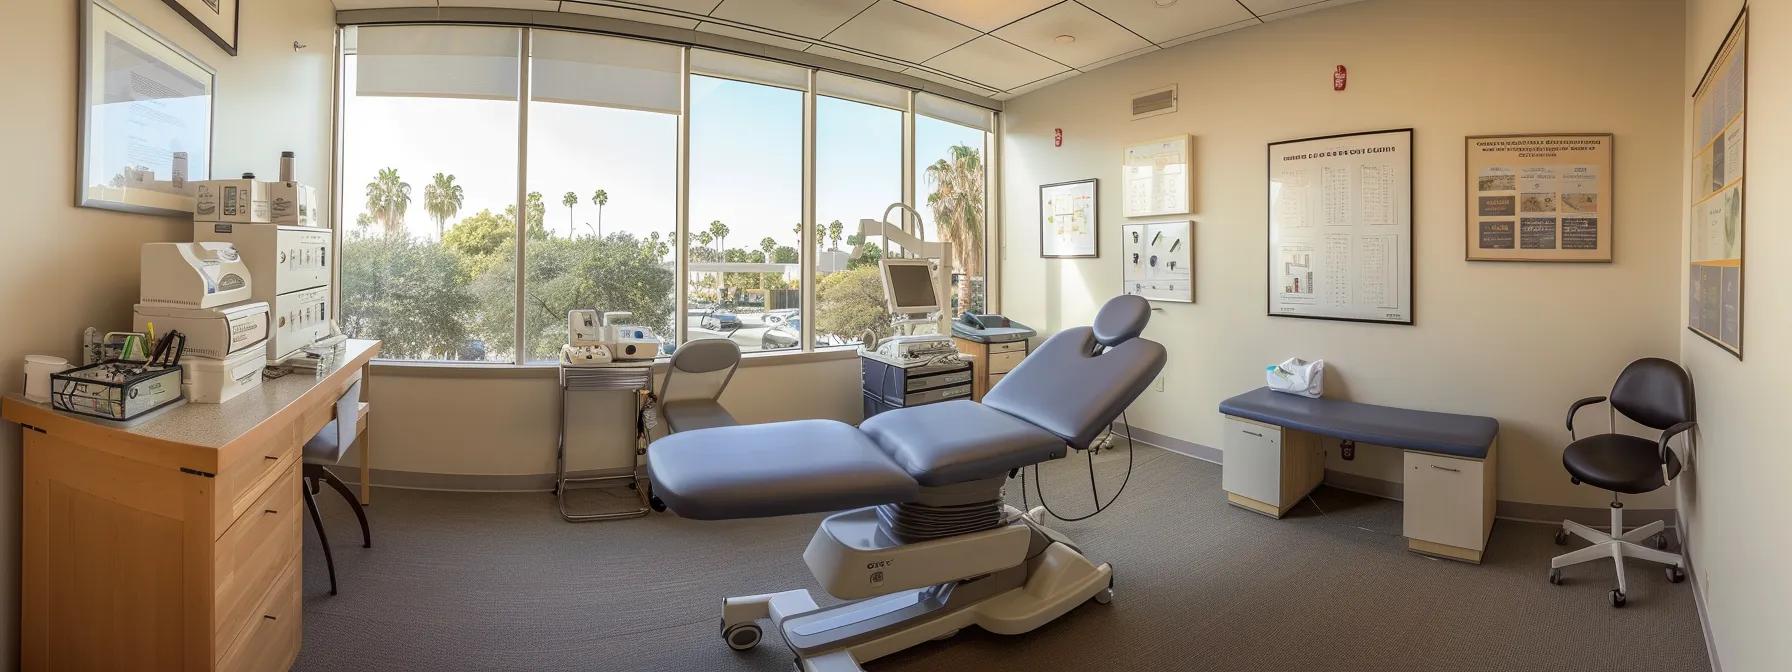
(281, 259)
(300, 318)
(293, 204)
(232, 201)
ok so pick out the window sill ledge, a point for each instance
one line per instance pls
(475, 370)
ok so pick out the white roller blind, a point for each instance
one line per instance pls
(947, 109)
(437, 61)
(747, 69)
(603, 71)
(861, 90)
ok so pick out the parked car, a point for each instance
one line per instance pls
(718, 318)
(786, 335)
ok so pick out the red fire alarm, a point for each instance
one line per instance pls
(1340, 78)
(1057, 137)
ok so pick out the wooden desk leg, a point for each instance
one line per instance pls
(366, 443)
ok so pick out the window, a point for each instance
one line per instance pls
(428, 185)
(432, 175)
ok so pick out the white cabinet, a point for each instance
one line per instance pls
(1449, 504)
(1268, 469)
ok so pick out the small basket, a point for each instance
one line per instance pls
(115, 390)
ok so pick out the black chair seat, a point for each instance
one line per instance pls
(1617, 462)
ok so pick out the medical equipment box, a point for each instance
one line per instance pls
(114, 389)
(888, 386)
(212, 333)
(282, 259)
(299, 319)
(215, 381)
(244, 200)
(293, 204)
(192, 275)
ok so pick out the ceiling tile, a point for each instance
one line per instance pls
(1122, 57)
(900, 31)
(1096, 38)
(808, 18)
(629, 14)
(1212, 32)
(1035, 86)
(1158, 24)
(1302, 9)
(984, 15)
(951, 81)
(382, 4)
(851, 57)
(1261, 7)
(996, 64)
(752, 35)
(534, 5)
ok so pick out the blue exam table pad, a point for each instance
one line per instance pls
(1425, 431)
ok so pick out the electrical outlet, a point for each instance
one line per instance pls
(1160, 383)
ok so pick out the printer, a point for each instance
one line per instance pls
(202, 290)
(192, 275)
(990, 329)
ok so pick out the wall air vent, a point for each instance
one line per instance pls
(1154, 102)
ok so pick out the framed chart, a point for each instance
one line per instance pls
(1719, 166)
(1340, 227)
(1541, 197)
(145, 115)
(1069, 224)
(1157, 261)
(1157, 178)
(218, 19)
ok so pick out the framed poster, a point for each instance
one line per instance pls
(1069, 222)
(1719, 164)
(1340, 227)
(1541, 197)
(145, 110)
(1158, 177)
(216, 18)
(1158, 261)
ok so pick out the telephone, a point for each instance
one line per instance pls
(988, 328)
(985, 321)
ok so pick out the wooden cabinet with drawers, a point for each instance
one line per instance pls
(172, 543)
(990, 361)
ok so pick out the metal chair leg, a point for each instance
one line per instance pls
(317, 523)
(353, 502)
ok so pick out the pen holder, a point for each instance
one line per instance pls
(114, 389)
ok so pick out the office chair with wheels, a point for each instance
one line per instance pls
(325, 449)
(1655, 393)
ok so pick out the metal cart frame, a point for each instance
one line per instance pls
(635, 377)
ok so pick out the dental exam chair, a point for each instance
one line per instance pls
(924, 542)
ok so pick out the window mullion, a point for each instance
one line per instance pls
(681, 237)
(810, 254)
(519, 348)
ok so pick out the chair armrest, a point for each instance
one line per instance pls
(1670, 433)
(1575, 408)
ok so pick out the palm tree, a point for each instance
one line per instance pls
(601, 198)
(388, 197)
(569, 200)
(957, 204)
(836, 231)
(768, 245)
(703, 238)
(442, 199)
(719, 231)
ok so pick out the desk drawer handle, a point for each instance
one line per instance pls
(270, 511)
(270, 617)
(1251, 433)
(1449, 469)
(275, 458)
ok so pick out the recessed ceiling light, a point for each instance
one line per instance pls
(1165, 3)
(1065, 39)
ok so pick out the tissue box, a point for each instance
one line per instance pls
(293, 204)
(232, 201)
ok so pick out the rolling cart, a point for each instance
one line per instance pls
(635, 377)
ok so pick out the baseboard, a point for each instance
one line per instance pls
(417, 480)
(1526, 512)
(1698, 596)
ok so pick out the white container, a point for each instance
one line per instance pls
(212, 333)
(299, 319)
(192, 275)
(215, 381)
(37, 375)
(282, 259)
(244, 200)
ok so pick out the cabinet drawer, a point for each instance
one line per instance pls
(1011, 346)
(271, 639)
(251, 555)
(1253, 461)
(1005, 362)
(1444, 502)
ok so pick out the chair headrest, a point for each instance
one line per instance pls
(1121, 319)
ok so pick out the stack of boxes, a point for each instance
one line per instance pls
(277, 229)
(204, 291)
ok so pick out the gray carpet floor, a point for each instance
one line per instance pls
(463, 581)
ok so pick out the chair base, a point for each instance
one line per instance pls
(1616, 546)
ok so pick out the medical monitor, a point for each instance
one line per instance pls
(909, 286)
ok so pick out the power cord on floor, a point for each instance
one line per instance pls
(1094, 493)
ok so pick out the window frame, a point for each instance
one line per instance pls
(994, 249)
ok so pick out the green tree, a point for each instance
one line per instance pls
(407, 293)
(569, 200)
(957, 205)
(835, 231)
(702, 251)
(851, 302)
(785, 254)
(601, 198)
(388, 197)
(719, 232)
(612, 273)
(442, 199)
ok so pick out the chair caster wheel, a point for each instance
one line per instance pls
(657, 504)
(1561, 537)
(1661, 541)
(743, 636)
(1617, 598)
(1106, 596)
(1676, 574)
(1555, 577)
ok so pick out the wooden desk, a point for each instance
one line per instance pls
(173, 543)
(990, 361)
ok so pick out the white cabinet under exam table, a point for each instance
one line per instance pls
(1274, 456)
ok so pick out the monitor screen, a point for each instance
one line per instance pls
(911, 287)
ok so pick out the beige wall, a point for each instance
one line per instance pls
(1515, 341)
(1733, 499)
(268, 99)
